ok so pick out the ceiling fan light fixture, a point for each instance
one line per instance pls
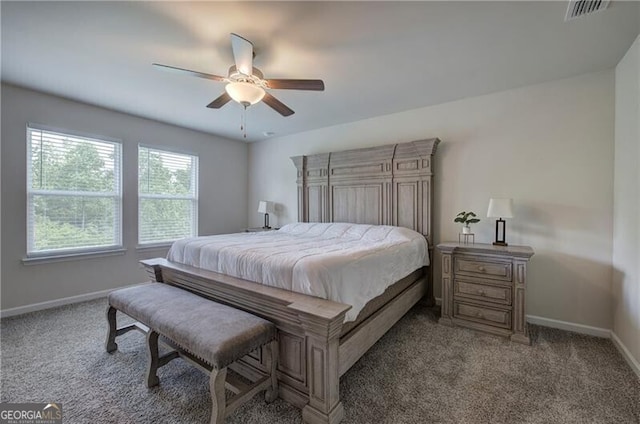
(245, 93)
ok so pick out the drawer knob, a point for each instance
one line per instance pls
(479, 314)
(482, 293)
(481, 268)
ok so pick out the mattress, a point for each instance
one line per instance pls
(346, 263)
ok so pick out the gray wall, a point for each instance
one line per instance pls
(548, 146)
(222, 207)
(626, 230)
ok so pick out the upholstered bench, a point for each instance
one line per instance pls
(209, 335)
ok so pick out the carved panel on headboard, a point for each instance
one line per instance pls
(385, 185)
(360, 203)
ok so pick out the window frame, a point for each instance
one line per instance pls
(72, 252)
(195, 199)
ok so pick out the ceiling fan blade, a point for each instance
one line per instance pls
(242, 53)
(187, 71)
(220, 101)
(296, 84)
(277, 105)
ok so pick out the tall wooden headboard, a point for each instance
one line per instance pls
(385, 185)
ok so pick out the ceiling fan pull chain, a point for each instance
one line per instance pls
(244, 122)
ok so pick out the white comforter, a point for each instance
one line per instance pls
(347, 263)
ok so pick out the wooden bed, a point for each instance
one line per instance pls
(386, 185)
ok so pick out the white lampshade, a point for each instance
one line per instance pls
(265, 206)
(500, 208)
(245, 93)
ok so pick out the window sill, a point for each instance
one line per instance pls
(64, 257)
(149, 247)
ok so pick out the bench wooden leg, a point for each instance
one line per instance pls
(152, 345)
(216, 386)
(114, 331)
(155, 360)
(272, 352)
(111, 344)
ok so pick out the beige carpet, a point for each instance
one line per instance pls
(419, 372)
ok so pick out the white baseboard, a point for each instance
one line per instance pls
(57, 302)
(591, 331)
(570, 326)
(584, 329)
(633, 363)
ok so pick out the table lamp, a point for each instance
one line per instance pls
(265, 207)
(500, 208)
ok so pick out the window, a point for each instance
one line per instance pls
(74, 200)
(167, 196)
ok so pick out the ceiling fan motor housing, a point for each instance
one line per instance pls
(257, 77)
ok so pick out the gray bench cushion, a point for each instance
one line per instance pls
(216, 333)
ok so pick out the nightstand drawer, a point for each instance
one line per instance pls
(483, 292)
(490, 316)
(479, 268)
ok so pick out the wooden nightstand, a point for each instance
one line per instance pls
(483, 287)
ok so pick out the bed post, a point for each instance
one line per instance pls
(324, 380)
(413, 194)
(322, 335)
(313, 187)
(301, 164)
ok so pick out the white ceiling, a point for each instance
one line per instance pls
(375, 58)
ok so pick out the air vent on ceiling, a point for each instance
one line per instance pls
(579, 8)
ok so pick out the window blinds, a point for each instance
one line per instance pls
(167, 195)
(74, 200)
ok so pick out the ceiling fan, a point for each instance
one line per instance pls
(246, 84)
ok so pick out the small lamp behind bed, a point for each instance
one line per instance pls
(265, 207)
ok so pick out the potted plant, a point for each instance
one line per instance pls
(466, 218)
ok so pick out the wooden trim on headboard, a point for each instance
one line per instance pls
(384, 185)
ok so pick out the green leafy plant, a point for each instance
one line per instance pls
(466, 218)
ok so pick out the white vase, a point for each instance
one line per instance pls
(466, 229)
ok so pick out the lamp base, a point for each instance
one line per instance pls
(501, 241)
(266, 222)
